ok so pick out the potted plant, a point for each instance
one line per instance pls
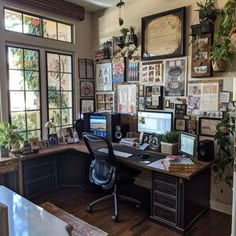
(224, 161)
(207, 11)
(222, 50)
(9, 138)
(169, 142)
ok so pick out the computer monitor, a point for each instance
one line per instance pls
(188, 144)
(154, 122)
(98, 125)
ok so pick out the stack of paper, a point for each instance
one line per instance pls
(128, 141)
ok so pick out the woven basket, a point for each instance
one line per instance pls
(169, 148)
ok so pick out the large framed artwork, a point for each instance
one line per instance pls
(163, 35)
(104, 76)
(207, 126)
(175, 77)
(118, 69)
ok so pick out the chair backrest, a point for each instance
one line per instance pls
(103, 168)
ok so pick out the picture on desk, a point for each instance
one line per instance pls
(52, 140)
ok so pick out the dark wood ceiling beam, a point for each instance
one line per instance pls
(58, 6)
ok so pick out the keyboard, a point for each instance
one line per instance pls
(127, 149)
(117, 153)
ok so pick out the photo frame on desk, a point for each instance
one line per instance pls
(163, 35)
(52, 140)
(207, 126)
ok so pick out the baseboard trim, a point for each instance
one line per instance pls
(224, 208)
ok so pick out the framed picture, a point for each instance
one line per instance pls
(52, 140)
(43, 144)
(87, 105)
(104, 76)
(154, 97)
(152, 72)
(167, 103)
(82, 68)
(192, 126)
(207, 126)
(163, 35)
(86, 89)
(61, 140)
(175, 77)
(118, 70)
(180, 110)
(180, 124)
(133, 71)
(126, 98)
(141, 103)
(89, 69)
(201, 62)
(34, 142)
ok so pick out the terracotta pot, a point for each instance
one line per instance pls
(219, 65)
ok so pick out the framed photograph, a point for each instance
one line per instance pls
(154, 97)
(86, 89)
(34, 142)
(163, 35)
(180, 124)
(52, 140)
(207, 126)
(43, 144)
(133, 71)
(141, 103)
(89, 69)
(61, 140)
(192, 126)
(87, 105)
(82, 68)
(126, 98)
(152, 72)
(104, 76)
(118, 70)
(180, 110)
(175, 77)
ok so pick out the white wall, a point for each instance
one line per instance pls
(106, 25)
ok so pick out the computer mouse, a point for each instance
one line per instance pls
(144, 156)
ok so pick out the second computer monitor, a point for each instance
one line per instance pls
(154, 122)
(188, 144)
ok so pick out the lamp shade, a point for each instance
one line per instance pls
(49, 124)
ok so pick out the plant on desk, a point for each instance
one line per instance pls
(9, 138)
(223, 165)
(169, 142)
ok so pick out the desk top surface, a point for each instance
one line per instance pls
(80, 147)
(26, 218)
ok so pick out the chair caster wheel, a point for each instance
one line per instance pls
(115, 218)
(89, 209)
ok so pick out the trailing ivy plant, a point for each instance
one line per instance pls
(224, 161)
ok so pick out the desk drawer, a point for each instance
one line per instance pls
(164, 214)
(164, 200)
(164, 178)
(165, 188)
(39, 170)
(41, 186)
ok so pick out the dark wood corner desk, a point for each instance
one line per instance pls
(177, 198)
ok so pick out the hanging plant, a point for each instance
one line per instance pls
(224, 132)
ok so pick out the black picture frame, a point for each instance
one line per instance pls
(180, 124)
(207, 126)
(176, 16)
(87, 88)
(87, 105)
(192, 126)
(52, 140)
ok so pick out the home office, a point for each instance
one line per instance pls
(157, 81)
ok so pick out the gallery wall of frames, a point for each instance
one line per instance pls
(120, 80)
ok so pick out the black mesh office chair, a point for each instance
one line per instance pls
(104, 171)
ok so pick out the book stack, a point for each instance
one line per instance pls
(128, 141)
(178, 163)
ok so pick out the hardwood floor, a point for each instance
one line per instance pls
(132, 221)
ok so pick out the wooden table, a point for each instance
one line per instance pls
(177, 198)
(26, 218)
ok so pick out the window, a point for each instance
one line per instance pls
(24, 90)
(59, 81)
(38, 26)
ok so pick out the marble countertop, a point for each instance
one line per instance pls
(28, 219)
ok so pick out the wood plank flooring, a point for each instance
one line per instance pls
(132, 221)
